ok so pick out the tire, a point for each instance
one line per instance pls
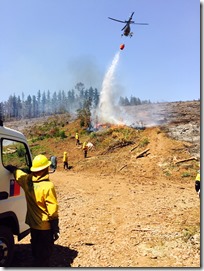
(6, 246)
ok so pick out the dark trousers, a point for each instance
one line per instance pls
(66, 165)
(42, 246)
(85, 153)
(197, 186)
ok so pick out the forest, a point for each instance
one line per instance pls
(45, 103)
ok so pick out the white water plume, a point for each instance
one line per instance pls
(108, 110)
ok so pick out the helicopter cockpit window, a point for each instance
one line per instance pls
(15, 153)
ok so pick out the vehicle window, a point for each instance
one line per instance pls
(15, 153)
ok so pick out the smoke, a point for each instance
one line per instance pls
(84, 69)
(109, 111)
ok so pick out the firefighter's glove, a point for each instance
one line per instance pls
(55, 228)
(11, 168)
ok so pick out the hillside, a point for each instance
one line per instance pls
(120, 210)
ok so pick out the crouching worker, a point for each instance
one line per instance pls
(42, 208)
(53, 165)
(197, 183)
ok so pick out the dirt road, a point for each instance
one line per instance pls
(117, 210)
(135, 217)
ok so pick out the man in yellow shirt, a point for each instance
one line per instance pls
(85, 149)
(42, 208)
(77, 139)
(65, 160)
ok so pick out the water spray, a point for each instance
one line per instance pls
(107, 111)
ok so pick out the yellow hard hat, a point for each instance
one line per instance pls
(40, 162)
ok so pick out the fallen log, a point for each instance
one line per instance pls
(141, 230)
(185, 160)
(111, 148)
(122, 167)
(142, 153)
(134, 147)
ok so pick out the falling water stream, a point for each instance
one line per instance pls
(107, 110)
(110, 112)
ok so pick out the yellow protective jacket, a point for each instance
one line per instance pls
(65, 158)
(41, 199)
(85, 147)
(198, 177)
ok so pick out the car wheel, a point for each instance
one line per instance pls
(6, 246)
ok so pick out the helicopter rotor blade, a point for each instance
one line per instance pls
(142, 23)
(132, 15)
(123, 27)
(116, 20)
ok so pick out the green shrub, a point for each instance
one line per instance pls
(190, 231)
(167, 173)
(20, 151)
(186, 174)
(93, 135)
(144, 142)
(62, 134)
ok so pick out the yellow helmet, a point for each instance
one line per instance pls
(40, 162)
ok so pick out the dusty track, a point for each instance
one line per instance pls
(119, 211)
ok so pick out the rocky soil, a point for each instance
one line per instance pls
(117, 210)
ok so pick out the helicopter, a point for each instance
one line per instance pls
(126, 29)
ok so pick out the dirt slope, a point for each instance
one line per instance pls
(117, 210)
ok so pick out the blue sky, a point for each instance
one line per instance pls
(54, 44)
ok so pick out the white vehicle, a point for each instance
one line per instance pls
(14, 151)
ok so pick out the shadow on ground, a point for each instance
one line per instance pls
(61, 257)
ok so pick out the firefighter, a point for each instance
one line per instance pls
(42, 208)
(197, 183)
(53, 165)
(77, 139)
(85, 149)
(65, 160)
